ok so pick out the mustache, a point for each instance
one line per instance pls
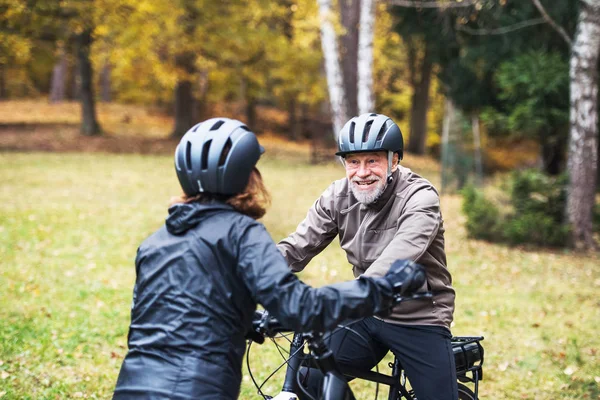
(368, 178)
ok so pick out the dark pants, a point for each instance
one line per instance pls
(424, 351)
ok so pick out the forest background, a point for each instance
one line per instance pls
(497, 101)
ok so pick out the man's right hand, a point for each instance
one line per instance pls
(405, 277)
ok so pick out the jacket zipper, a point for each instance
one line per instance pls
(363, 228)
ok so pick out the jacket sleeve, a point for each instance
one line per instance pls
(312, 235)
(297, 305)
(418, 226)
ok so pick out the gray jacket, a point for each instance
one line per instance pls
(404, 223)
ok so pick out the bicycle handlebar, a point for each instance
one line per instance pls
(265, 325)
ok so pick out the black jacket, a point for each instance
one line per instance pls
(199, 279)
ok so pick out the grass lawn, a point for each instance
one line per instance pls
(70, 225)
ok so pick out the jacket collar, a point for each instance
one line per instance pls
(185, 216)
(388, 192)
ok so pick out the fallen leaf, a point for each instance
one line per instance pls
(570, 370)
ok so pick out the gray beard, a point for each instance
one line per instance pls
(370, 197)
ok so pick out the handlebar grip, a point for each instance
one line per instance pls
(406, 277)
(264, 324)
(256, 337)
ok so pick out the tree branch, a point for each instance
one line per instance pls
(551, 22)
(432, 4)
(503, 30)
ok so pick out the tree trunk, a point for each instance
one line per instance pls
(251, 114)
(583, 156)
(333, 70)
(293, 120)
(477, 149)
(185, 63)
(366, 102)
(75, 91)
(89, 123)
(350, 11)
(105, 83)
(3, 91)
(552, 152)
(420, 103)
(184, 96)
(58, 83)
(184, 116)
(446, 151)
(202, 107)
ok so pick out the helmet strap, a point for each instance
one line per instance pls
(389, 166)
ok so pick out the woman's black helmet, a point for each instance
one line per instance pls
(370, 132)
(216, 156)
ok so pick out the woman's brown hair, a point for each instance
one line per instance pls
(253, 201)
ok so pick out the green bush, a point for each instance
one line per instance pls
(535, 192)
(535, 216)
(483, 217)
(535, 228)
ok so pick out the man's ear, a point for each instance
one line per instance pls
(395, 162)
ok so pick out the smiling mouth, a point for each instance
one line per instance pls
(364, 184)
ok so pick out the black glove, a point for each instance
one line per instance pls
(254, 334)
(405, 277)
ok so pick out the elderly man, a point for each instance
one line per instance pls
(382, 212)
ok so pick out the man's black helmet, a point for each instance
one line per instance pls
(370, 132)
(216, 156)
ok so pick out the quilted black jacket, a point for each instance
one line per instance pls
(198, 281)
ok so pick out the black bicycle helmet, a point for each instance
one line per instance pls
(370, 132)
(216, 156)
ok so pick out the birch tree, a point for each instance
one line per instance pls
(58, 82)
(365, 99)
(582, 160)
(333, 68)
(350, 14)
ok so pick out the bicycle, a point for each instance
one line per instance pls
(468, 354)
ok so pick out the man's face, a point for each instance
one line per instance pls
(367, 173)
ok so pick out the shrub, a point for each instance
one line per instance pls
(535, 215)
(483, 217)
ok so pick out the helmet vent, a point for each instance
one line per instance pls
(225, 152)
(352, 126)
(381, 133)
(366, 131)
(205, 149)
(217, 125)
(188, 156)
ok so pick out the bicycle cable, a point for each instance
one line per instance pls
(286, 361)
(361, 337)
(250, 371)
(298, 374)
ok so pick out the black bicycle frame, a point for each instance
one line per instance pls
(468, 353)
(335, 383)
